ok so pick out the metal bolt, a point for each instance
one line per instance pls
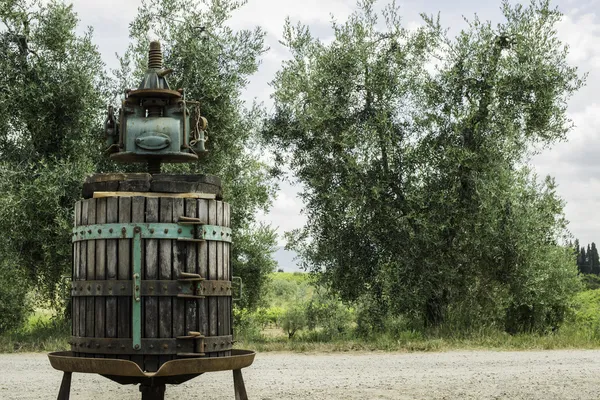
(109, 346)
(89, 287)
(124, 230)
(214, 232)
(151, 288)
(98, 345)
(151, 346)
(122, 287)
(222, 288)
(179, 230)
(110, 230)
(214, 345)
(122, 346)
(165, 346)
(178, 346)
(222, 344)
(165, 288)
(178, 287)
(137, 229)
(152, 230)
(99, 230)
(98, 287)
(110, 288)
(90, 231)
(136, 347)
(166, 231)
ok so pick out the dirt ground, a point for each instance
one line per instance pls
(274, 376)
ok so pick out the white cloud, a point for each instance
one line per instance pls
(270, 14)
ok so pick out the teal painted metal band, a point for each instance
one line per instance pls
(152, 231)
(136, 309)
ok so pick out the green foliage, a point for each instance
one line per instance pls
(293, 320)
(591, 282)
(418, 200)
(587, 312)
(14, 302)
(51, 98)
(327, 312)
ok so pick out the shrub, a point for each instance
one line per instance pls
(15, 305)
(293, 320)
(586, 309)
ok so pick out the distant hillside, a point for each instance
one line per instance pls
(285, 259)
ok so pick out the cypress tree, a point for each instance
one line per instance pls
(594, 260)
(582, 261)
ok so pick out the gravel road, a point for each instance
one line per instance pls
(275, 376)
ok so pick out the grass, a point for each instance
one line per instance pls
(520, 342)
(42, 332)
(415, 342)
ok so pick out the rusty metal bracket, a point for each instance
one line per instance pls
(199, 344)
(239, 279)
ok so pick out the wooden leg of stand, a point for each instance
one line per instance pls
(238, 384)
(65, 386)
(153, 392)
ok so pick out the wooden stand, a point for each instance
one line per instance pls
(155, 390)
(152, 384)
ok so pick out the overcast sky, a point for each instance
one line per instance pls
(575, 164)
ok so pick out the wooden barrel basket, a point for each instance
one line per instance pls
(151, 269)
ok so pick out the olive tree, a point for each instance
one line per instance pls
(412, 148)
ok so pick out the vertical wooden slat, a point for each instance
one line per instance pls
(203, 269)
(100, 269)
(179, 259)
(112, 252)
(138, 210)
(99, 312)
(220, 275)
(150, 272)
(165, 256)
(227, 276)
(124, 273)
(212, 272)
(191, 266)
(76, 276)
(83, 270)
(90, 318)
